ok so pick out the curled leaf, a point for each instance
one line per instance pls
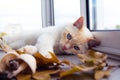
(43, 61)
(76, 68)
(4, 62)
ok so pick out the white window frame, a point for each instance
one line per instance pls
(47, 13)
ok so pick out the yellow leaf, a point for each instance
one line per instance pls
(44, 75)
(41, 60)
(76, 68)
(23, 77)
(65, 62)
(39, 76)
(68, 72)
(99, 75)
(92, 57)
(91, 61)
(2, 34)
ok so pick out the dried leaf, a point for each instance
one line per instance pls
(65, 62)
(4, 62)
(76, 68)
(91, 60)
(81, 76)
(107, 72)
(41, 60)
(2, 34)
(23, 77)
(68, 72)
(44, 75)
(92, 57)
(39, 76)
(6, 48)
(99, 75)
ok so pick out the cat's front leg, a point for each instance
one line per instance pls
(45, 45)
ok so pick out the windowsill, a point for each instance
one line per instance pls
(111, 52)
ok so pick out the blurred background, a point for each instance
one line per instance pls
(18, 15)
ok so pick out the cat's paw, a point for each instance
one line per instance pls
(28, 49)
(46, 55)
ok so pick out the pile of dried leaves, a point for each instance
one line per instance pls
(37, 67)
(26, 66)
(91, 61)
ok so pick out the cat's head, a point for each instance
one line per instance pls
(76, 38)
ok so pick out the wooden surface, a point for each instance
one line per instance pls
(115, 73)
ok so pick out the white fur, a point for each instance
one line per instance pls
(44, 39)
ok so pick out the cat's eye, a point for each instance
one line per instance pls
(76, 47)
(69, 37)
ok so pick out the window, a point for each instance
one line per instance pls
(17, 15)
(66, 11)
(104, 14)
(104, 19)
(60, 12)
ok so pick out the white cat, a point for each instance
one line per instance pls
(73, 38)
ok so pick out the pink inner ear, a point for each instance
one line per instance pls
(79, 23)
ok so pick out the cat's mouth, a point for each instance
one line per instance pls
(62, 48)
(65, 49)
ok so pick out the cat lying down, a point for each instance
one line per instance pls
(73, 38)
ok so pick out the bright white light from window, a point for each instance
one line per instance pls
(20, 13)
(66, 11)
(105, 14)
(111, 13)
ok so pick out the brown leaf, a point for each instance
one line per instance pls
(92, 60)
(23, 77)
(39, 76)
(65, 62)
(41, 60)
(44, 75)
(92, 57)
(99, 74)
(76, 68)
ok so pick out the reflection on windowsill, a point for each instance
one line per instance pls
(112, 52)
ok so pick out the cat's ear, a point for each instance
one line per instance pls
(93, 43)
(79, 23)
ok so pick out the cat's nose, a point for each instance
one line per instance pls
(64, 47)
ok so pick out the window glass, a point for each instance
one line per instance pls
(104, 14)
(66, 11)
(17, 15)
